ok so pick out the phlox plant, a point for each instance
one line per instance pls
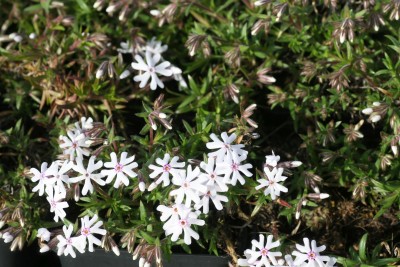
(253, 129)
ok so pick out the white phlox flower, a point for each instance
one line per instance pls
(166, 168)
(125, 48)
(43, 234)
(190, 186)
(211, 175)
(155, 47)
(245, 262)
(87, 174)
(272, 160)
(260, 249)
(85, 124)
(272, 184)
(232, 168)
(309, 255)
(224, 147)
(56, 204)
(177, 74)
(74, 145)
(170, 215)
(122, 168)
(7, 237)
(150, 69)
(187, 218)
(60, 178)
(90, 227)
(41, 177)
(211, 193)
(66, 243)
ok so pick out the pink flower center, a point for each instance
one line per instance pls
(185, 184)
(87, 174)
(118, 167)
(69, 241)
(74, 145)
(85, 231)
(212, 176)
(234, 167)
(53, 204)
(152, 69)
(166, 168)
(183, 223)
(208, 193)
(264, 252)
(311, 255)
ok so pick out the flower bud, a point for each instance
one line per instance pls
(367, 111)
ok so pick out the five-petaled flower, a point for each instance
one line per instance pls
(166, 167)
(87, 174)
(308, 256)
(74, 145)
(56, 204)
(90, 227)
(121, 169)
(273, 187)
(150, 69)
(186, 218)
(66, 243)
(225, 147)
(260, 249)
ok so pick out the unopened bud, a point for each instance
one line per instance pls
(44, 248)
(162, 115)
(296, 163)
(142, 186)
(376, 118)
(142, 261)
(367, 111)
(395, 150)
(152, 186)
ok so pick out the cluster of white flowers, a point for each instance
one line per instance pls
(308, 255)
(66, 243)
(191, 192)
(80, 167)
(195, 187)
(56, 179)
(150, 64)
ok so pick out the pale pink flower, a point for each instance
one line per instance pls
(190, 186)
(150, 69)
(60, 178)
(87, 174)
(260, 249)
(166, 168)
(66, 243)
(90, 227)
(232, 167)
(211, 175)
(272, 184)
(211, 193)
(122, 168)
(308, 256)
(225, 147)
(74, 145)
(187, 218)
(56, 204)
(41, 177)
